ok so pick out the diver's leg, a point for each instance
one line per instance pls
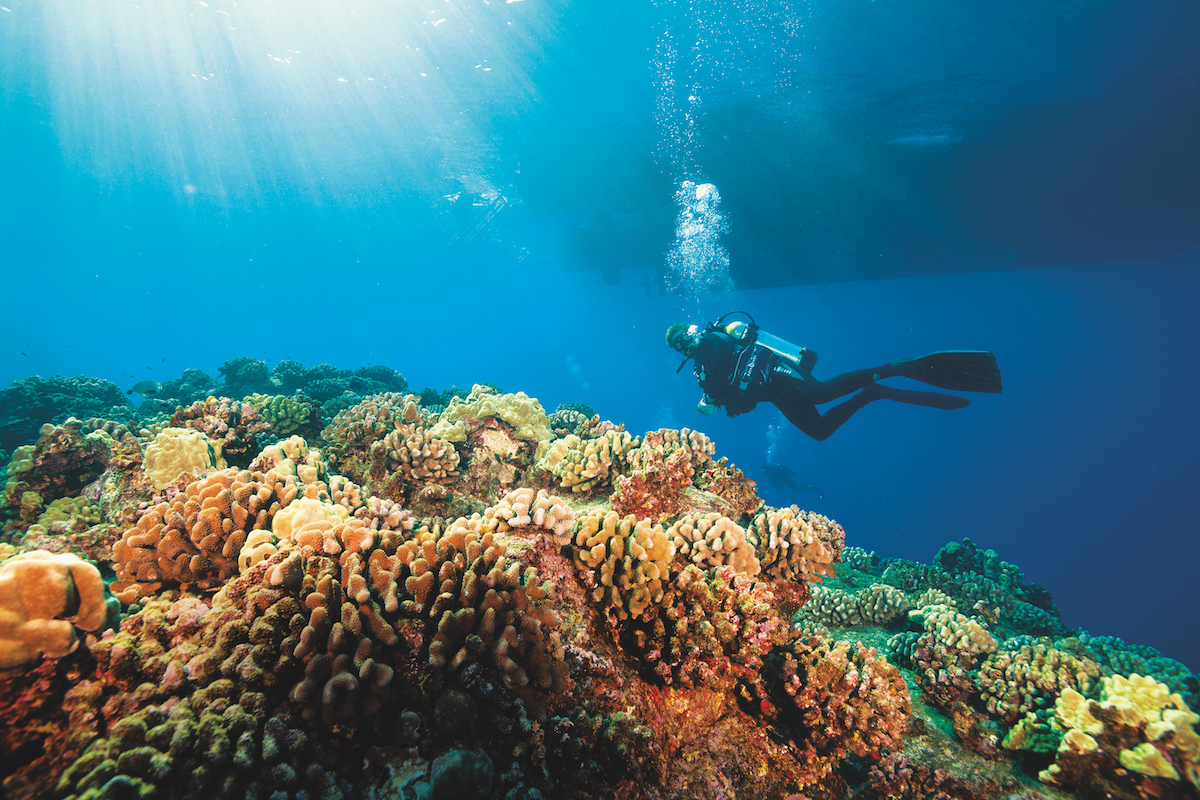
(805, 416)
(847, 382)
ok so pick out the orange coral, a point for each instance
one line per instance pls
(197, 537)
(44, 597)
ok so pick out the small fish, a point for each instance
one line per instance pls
(146, 388)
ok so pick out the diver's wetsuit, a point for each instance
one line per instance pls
(723, 362)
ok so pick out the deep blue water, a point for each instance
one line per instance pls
(185, 183)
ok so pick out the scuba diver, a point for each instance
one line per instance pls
(740, 365)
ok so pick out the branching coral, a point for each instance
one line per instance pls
(283, 415)
(712, 540)
(1015, 682)
(408, 458)
(355, 429)
(196, 539)
(626, 562)
(789, 547)
(946, 654)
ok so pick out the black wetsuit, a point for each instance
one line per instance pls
(724, 364)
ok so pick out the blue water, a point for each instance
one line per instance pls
(479, 192)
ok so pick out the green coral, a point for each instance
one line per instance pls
(519, 410)
(285, 415)
(71, 512)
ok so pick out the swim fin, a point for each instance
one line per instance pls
(956, 370)
(946, 402)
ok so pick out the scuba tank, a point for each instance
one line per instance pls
(801, 359)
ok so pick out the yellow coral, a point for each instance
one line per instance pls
(301, 512)
(519, 410)
(178, 450)
(629, 561)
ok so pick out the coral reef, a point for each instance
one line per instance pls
(29, 404)
(284, 415)
(1137, 740)
(454, 594)
(522, 413)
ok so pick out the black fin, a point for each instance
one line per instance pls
(946, 402)
(956, 370)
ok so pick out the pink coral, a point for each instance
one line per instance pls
(233, 423)
(839, 698)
